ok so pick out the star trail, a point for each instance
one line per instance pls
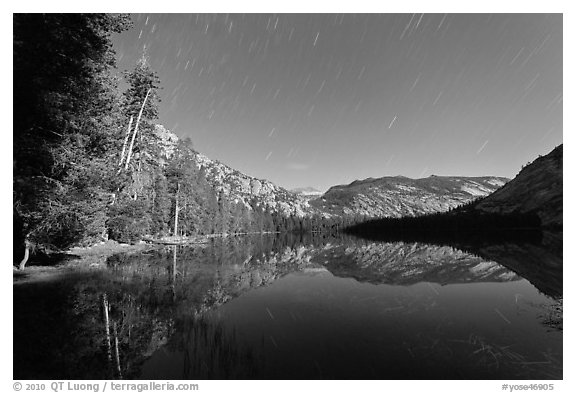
(324, 99)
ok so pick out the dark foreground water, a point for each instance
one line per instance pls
(290, 308)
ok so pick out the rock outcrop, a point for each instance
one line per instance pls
(237, 185)
(401, 196)
(537, 189)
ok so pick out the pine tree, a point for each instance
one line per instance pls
(65, 124)
(161, 206)
(181, 174)
(223, 220)
(140, 107)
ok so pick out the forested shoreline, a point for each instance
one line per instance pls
(88, 165)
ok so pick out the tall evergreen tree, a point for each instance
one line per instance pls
(223, 217)
(66, 124)
(140, 104)
(138, 158)
(162, 204)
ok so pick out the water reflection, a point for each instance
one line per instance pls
(294, 307)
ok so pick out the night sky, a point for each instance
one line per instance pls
(324, 99)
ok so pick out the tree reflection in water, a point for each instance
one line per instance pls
(109, 323)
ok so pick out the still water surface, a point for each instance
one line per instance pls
(284, 308)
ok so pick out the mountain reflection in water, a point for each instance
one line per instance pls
(266, 307)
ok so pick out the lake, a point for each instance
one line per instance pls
(294, 307)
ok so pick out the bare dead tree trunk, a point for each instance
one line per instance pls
(126, 141)
(174, 272)
(117, 352)
(107, 326)
(176, 211)
(174, 260)
(136, 129)
(26, 255)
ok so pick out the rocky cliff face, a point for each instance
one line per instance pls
(242, 187)
(401, 196)
(237, 185)
(536, 189)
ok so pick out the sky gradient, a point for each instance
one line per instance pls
(324, 99)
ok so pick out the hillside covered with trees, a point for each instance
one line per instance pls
(88, 165)
(529, 203)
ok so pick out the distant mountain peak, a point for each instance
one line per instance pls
(306, 191)
(396, 196)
